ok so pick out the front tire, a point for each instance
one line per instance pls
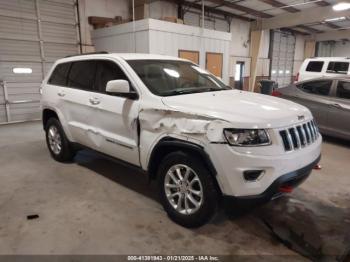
(57, 142)
(187, 189)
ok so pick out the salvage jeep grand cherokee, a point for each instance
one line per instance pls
(200, 139)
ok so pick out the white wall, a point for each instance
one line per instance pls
(341, 49)
(240, 31)
(165, 38)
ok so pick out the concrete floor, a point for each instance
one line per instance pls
(95, 206)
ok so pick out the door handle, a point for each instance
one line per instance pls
(94, 101)
(61, 93)
(337, 105)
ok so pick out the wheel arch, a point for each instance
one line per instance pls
(47, 114)
(169, 144)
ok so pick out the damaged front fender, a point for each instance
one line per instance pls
(182, 123)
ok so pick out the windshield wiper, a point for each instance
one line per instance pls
(192, 91)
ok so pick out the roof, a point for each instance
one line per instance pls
(125, 56)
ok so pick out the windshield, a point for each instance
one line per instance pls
(169, 77)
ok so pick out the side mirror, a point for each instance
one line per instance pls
(120, 88)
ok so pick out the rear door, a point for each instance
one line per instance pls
(77, 100)
(315, 96)
(114, 119)
(339, 110)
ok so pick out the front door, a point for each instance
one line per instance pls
(339, 110)
(114, 118)
(239, 75)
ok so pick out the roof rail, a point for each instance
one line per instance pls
(91, 53)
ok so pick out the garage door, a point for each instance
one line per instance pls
(282, 57)
(33, 34)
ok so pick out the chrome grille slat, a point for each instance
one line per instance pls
(290, 141)
(299, 136)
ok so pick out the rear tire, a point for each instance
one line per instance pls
(187, 189)
(57, 142)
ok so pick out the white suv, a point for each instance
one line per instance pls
(182, 126)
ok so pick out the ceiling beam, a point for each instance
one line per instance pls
(335, 35)
(309, 29)
(278, 4)
(296, 31)
(306, 16)
(211, 10)
(241, 8)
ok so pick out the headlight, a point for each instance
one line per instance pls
(247, 137)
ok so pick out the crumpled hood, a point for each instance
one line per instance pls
(242, 109)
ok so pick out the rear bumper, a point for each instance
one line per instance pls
(291, 179)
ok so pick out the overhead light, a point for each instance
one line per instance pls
(336, 19)
(22, 70)
(341, 6)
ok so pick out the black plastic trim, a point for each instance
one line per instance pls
(293, 179)
(177, 143)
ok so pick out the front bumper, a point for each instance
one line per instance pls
(292, 179)
(231, 164)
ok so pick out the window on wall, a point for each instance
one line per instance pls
(338, 67)
(316, 87)
(314, 66)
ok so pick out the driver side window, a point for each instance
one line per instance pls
(107, 71)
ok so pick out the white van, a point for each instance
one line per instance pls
(323, 67)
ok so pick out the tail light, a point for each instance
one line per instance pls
(276, 93)
(297, 77)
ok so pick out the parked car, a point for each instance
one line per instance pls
(182, 126)
(328, 99)
(323, 67)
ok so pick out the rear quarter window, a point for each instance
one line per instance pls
(59, 75)
(315, 66)
(338, 67)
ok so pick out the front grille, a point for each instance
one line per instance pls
(299, 136)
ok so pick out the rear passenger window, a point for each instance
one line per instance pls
(314, 66)
(107, 71)
(82, 75)
(59, 75)
(343, 90)
(316, 87)
(338, 67)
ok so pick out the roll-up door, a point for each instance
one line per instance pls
(282, 57)
(33, 34)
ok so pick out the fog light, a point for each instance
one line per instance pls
(253, 175)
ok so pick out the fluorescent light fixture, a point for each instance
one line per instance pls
(274, 72)
(336, 19)
(341, 6)
(280, 72)
(22, 70)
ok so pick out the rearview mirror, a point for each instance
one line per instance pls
(120, 88)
